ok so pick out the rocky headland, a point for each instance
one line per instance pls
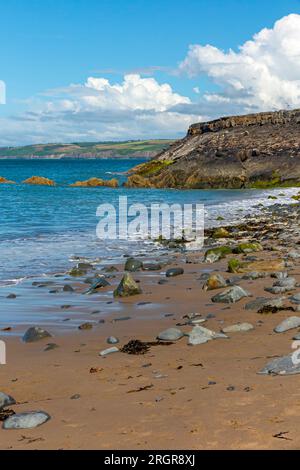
(251, 151)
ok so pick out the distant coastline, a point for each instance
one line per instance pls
(87, 150)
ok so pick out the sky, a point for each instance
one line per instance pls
(98, 70)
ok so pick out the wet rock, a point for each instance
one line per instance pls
(215, 281)
(86, 326)
(96, 286)
(174, 272)
(152, 267)
(6, 400)
(238, 327)
(112, 340)
(110, 269)
(220, 232)
(200, 335)
(28, 420)
(35, 333)
(68, 288)
(281, 366)
(5, 181)
(279, 275)
(254, 275)
(248, 247)
(133, 265)
(11, 296)
(231, 295)
(171, 334)
(282, 285)
(127, 287)
(294, 254)
(287, 324)
(108, 351)
(51, 346)
(77, 272)
(215, 254)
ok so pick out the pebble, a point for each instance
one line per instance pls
(174, 272)
(112, 340)
(108, 351)
(231, 295)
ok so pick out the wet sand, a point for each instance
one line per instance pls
(178, 396)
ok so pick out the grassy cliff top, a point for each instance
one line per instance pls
(88, 149)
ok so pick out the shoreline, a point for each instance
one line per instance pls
(209, 395)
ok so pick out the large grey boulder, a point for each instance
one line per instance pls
(231, 295)
(261, 302)
(201, 335)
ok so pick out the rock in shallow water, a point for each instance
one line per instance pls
(28, 420)
(287, 324)
(127, 287)
(96, 286)
(232, 295)
(174, 272)
(35, 334)
(133, 265)
(171, 334)
(6, 400)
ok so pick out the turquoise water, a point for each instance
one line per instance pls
(43, 229)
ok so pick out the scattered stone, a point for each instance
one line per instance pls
(6, 400)
(35, 333)
(254, 275)
(27, 420)
(174, 272)
(200, 335)
(152, 267)
(238, 327)
(248, 248)
(214, 254)
(86, 326)
(68, 288)
(262, 302)
(295, 299)
(281, 366)
(220, 232)
(11, 296)
(171, 334)
(112, 340)
(75, 397)
(96, 286)
(287, 324)
(121, 319)
(215, 281)
(127, 287)
(294, 254)
(108, 351)
(231, 295)
(51, 346)
(133, 265)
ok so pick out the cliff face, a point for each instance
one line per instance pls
(255, 150)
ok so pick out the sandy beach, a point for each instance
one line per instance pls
(176, 396)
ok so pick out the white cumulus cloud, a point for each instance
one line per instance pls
(264, 74)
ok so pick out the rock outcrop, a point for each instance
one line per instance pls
(255, 150)
(40, 180)
(96, 182)
(5, 181)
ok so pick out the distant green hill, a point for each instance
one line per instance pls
(136, 148)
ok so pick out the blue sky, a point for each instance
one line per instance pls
(52, 44)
